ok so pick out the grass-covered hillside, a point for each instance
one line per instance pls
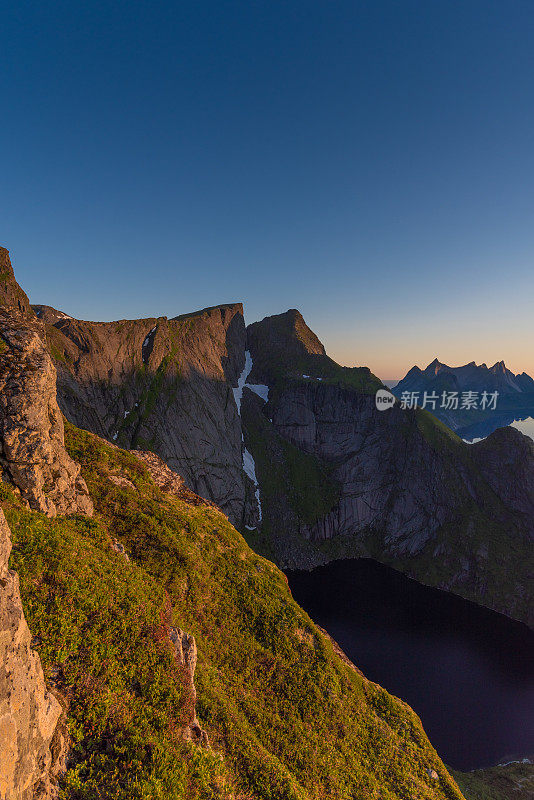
(285, 716)
(514, 781)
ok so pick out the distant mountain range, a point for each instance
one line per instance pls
(515, 394)
(470, 377)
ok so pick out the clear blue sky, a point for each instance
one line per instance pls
(370, 163)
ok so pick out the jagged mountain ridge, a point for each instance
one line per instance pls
(107, 598)
(470, 377)
(515, 393)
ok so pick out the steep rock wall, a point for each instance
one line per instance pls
(163, 385)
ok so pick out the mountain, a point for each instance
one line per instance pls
(168, 659)
(338, 478)
(515, 393)
(322, 474)
(470, 377)
(172, 660)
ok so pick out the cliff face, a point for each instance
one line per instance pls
(163, 385)
(28, 713)
(32, 451)
(396, 485)
(11, 294)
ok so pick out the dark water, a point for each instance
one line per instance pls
(523, 422)
(468, 672)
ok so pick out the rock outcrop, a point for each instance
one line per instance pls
(168, 480)
(185, 648)
(163, 385)
(29, 714)
(32, 451)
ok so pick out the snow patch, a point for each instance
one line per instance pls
(250, 469)
(262, 391)
(249, 466)
(146, 342)
(259, 388)
(238, 392)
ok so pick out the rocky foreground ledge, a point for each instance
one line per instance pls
(32, 451)
(29, 714)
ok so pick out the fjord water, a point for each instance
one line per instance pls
(479, 430)
(526, 426)
(467, 672)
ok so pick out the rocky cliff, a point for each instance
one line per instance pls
(393, 484)
(32, 451)
(28, 712)
(163, 385)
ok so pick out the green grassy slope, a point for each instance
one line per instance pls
(512, 782)
(287, 719)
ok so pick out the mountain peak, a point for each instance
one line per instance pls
(435, 366)
(289, 333)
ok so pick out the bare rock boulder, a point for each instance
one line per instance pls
(185, 648)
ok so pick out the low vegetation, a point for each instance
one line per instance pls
(286, 718)
(512, 782)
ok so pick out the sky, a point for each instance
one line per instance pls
(369, 163)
